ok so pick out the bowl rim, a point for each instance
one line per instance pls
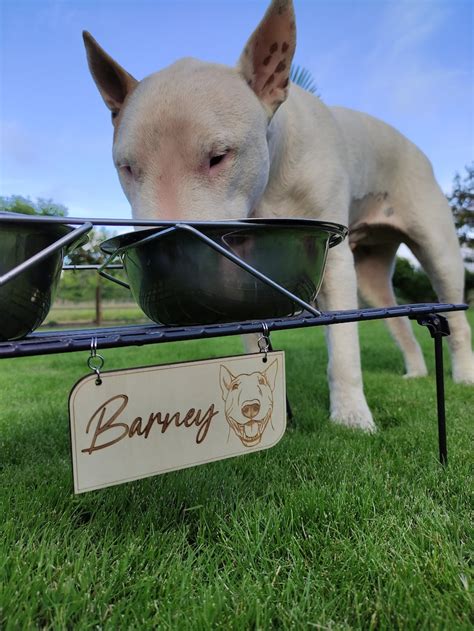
(337, 231)
(61, 228)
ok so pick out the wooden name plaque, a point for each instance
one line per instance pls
(141, 422)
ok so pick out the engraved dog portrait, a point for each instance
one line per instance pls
(248, 402)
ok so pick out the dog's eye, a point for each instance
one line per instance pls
(217, 156)
(235, 386)
(215, 160)
(126, 169)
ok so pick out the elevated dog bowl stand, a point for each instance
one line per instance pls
(46, 343)
(429, 315)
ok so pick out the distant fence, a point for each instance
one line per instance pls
(68, 313)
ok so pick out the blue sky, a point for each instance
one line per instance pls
(407, 62)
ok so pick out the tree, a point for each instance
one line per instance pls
(461, 200)
(88, 285)
(25, 206)
(411, 284)
(90, 253)
(80, 285)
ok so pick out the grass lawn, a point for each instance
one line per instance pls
(330, 529)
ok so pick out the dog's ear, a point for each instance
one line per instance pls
(112, 81)
(226, 378)
(271, 373)
(266, 60)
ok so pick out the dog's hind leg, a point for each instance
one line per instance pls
(374, 267)
(437, 248)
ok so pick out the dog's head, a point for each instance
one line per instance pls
(193, 141)
(248, 402)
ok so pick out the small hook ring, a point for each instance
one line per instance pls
(95, 362)
(263, 341)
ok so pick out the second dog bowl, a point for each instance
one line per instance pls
(25, 299)
(179, 279)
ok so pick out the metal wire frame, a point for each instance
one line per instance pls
(170, 226)
(69, 341)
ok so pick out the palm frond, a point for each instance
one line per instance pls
(302, 77)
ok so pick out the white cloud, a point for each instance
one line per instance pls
(405, 253)
(57, 14)
(401, 64)
(406, 25)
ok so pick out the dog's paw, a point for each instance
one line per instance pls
(355, 416)
(413, 374)
(463, 371)
(415, 366)
(465, 378)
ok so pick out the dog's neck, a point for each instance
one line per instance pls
(278, 152)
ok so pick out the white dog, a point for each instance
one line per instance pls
(205, 141)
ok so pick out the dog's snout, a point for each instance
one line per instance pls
(250, 409)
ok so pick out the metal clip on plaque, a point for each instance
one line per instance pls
(95, 362)
(264, 341)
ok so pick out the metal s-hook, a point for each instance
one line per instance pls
(95, 362)
(264, 341)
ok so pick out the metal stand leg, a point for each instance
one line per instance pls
(438, 327)
(443, 449)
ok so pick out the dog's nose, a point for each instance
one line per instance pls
(250, 409)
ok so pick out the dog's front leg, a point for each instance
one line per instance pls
(250, 342)
(339, 291)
